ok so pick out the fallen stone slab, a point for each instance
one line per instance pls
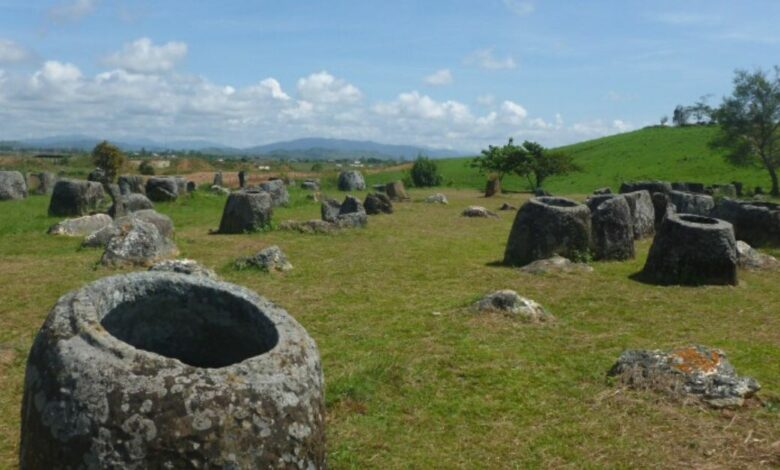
(556, 264)
(478, 211)
(184, 266)
(752, 259)
(80, 226)
(437, 198)
(308, 226)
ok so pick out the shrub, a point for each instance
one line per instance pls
(425, 173)
(108, 158)
(146, 168)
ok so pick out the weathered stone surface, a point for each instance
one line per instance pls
(132, 184)
(695, 371)
(278, 192)
(396, 191)
(308, 226)
(692, 249)
(101, 237)
(165, 370)
(723, 190)
(268, 259)
(604, 190)
(191, 186)
(46, 182)
(642, 213)
(555, 264)
(477, 211)
(378, 203)
(595, 200)
(184, 266)
(163, 223)
(220, 190)
(752, 259)
(218, 180)
(662, 207)
(649, 186)
(688, 187)
(351, 181)
(612, 230)
(437, 198)
(507, 207)
(12, 185)
(351, 213)
(162, 189)
(492, 187)
(75, 198)
(312, 185)
(246, 210)
(509, 303)
(135, 202)
(690, 203)
(547, 226)
(80, 226)
(98, 175)
(755, 222)
(329, 210)
(242, 177)
(182, 186)
(137, 243)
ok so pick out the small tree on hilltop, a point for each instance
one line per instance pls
(425, 173)
(500, 161)
(108, 158)
(750, 122)
(541, 163)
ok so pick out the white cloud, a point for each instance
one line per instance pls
(520, 7)
(439, 77)
(12, 52)
(56, 73)
(142, 56)
(72, 10)
(413, 104)
(269, 87)
(513, 111)
(485, 59)
(322, 87)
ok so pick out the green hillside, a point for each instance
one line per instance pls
(669, 153)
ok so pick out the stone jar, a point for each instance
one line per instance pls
(168, 370)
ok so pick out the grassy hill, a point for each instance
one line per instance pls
(674, 154)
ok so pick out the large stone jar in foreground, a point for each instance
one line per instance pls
(167, 370)
(545, 226)
(692, 249)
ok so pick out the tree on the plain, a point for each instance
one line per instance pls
(425, 173)
(529, 160)
(108, 158)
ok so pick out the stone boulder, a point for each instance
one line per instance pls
(137, 243)
(437, 198)
(351, 213)
(604, 190)
(101, 237)
(80, 226)
(378, 203)
(510, 304)
(278, 192)
(595, 200)
(191, 186)
(98, 175)
(752, 259)
(246, 211)
(218, 179)
(12, 186)
(612, 230)
(688, 187)
(690, 203)
(507, 207)
(723, 190)
(351, 181)
(308, 226)
(242, 179)
(268, 259)
(329, 209)
(547, 226)
(46, 182)
(183, 266)
(75, 198)
(755, 222)
(133, 202)
(492, 187)
(396, 191)
(311, 185)
(692, 250)
(478, 211)
(166, 370)
(662, 207)
(131, 184)
(163, 223)
(649, 186)
(642, 213)
(693, 371)
(162, 189)
(555, 265)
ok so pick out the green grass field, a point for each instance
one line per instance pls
(413, 378)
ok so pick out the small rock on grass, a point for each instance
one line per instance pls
(478, 211)
(510, 303)
(184, 266)
(268, 259)
(555, 264)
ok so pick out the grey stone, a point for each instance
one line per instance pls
(547, 226)
(98, 175)
(437, 198)
(162, 189)
(184, 266)
(507, 207)
(46, 182)
(118, 208)
(12, 186)
(191, 186)
(604, 190)
(182, 185)
(478, 211)
(329, 209)
(649, 186)
(311, 185)
(80, 226)
(278, 192)
(246, 211)
(137, 243)
(136, 202)
(555, 265)
(242, 177)
(132, 184)
(220, 190)
(101, 237)
(752, 259)
(595, 200)
(308, 226)
(662, 208)
(690, 203)
(218, 180)
(268, 259)
(166, 370)
(492, 187)
(75, 198)
(755, 222)
(163, 223)
(396, 191)
(509, 303)
(642, 213)
(613, 230)
(378, 203)
(351, 213)
(723, 190)
(694, 371)
(688, 187)
(692, 249)
(351, 181)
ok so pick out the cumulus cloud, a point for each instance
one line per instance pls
(322, 87)
(439, 77)
(12, 52)
(142, 56)
(56, 73)
(485, 58)
(513, 111)
(520, 7)
(71, 10)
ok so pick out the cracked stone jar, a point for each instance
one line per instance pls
(166, 370)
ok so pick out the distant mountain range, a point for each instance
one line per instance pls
(308, 148)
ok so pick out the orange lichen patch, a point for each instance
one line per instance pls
(692, 359)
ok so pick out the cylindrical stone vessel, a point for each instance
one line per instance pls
(167, 370)
(692, 250)
(545, 226)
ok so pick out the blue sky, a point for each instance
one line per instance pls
(459, 74)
